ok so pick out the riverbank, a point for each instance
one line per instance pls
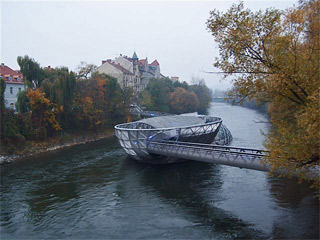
(53, 144)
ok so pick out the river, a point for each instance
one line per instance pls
(95, 191)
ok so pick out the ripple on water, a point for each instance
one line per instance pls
(94, 191)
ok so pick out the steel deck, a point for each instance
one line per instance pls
(225, 155)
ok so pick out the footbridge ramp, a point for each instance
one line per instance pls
(225, 155)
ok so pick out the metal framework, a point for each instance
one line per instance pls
(146, 143)
(231, 156)
(134, 137)
(224, 136)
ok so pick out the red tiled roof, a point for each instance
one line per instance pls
(142, 62)
(118, 66)
(7, 72)
(155, 63)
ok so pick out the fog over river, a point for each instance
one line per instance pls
(95, 191)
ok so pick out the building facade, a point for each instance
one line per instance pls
(131, 72)
(14, 85)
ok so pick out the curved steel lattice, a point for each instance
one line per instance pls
(224, 136)
(134, 137)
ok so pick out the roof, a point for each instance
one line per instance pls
(173, 121)
(142, 62)
(6, 72)
(135, 55)
(118, 66)
(155, 63)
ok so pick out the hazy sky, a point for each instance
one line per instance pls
(63, 33)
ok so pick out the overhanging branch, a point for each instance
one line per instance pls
(237, 72)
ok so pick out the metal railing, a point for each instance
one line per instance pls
(134, 137)
(232, 156)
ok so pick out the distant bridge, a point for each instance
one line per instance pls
(218, 99)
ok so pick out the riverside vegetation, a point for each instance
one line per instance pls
(60, 105)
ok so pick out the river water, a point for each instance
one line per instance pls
(95, 191)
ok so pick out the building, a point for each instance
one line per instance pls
(14, 84)
(124, 76)
(174, 79)
(131, 72)
(148, 71)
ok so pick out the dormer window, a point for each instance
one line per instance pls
(18, 79)
(10, 78)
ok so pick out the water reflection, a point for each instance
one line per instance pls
(184, 187)
(288, 193)
(95, 191)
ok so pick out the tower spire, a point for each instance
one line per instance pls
(134, 56)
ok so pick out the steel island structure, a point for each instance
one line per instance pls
(175, 138)
(135, 137)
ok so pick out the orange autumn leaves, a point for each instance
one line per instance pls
(43, 112)
(182, 101)
(274, 57)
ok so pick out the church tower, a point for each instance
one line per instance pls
(137, 79)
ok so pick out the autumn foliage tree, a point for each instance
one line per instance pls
(59, 87)
(182, 101)
(275, 58)
(61, 101)
(43, 114)
(99, 101)
(164, 95)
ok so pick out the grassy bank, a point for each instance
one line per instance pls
(32, 148)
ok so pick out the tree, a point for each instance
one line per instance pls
(59, 87)
(99, 101)
(31, 71)
(43, 114)
(22, 104)
(275, 56)
(159, 90)
(183, 84)
(84, 70)
(145, 98)
(204, 95)
(182, 101)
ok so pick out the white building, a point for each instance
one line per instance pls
(131, 72)
(14, 85)
(125, 78)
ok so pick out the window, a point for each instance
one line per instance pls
(12, 106)
(18, 79)
(19, 89)
(10, 78)
(11, 90)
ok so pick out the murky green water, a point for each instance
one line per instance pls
(94, 191)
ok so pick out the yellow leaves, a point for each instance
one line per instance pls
(43, 111)
(285, 48)
(87, 105)
(90, 103)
